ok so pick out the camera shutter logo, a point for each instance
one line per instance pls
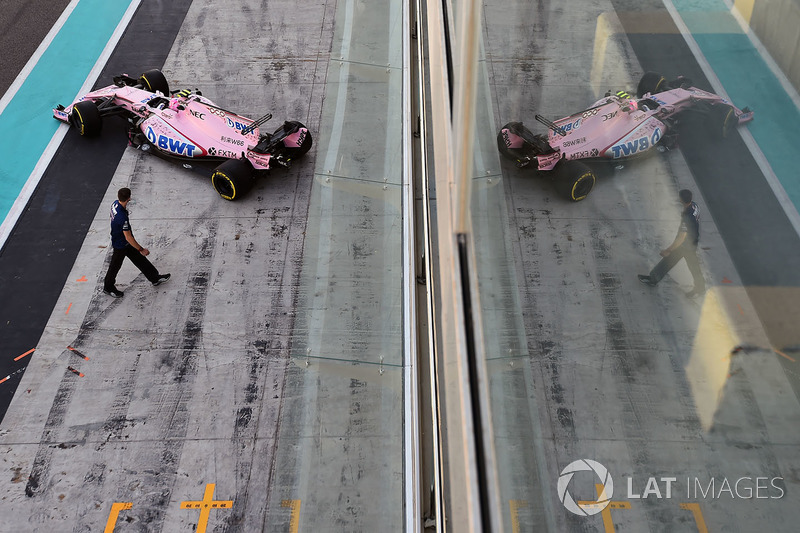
(585, 509)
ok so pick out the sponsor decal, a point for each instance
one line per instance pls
(197, 114)
(594, 153)
(169, 144)
(235, 124)
(571, 126)
(548, 161)
(215, 111)
(589, 113)
(506, 139)
(258, 160)
(147, 99)
(640, 144)
(231, 140)
(296, 139)
(574, 142)
(609, 116)
(222, 153)
(61, 114)
(579, 155)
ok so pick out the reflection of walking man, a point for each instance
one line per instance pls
(684, 246)
(125, 245)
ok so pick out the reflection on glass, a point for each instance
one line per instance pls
(616, 404)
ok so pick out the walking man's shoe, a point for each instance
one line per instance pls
(161, 279)
(647, 280)
(114, 292)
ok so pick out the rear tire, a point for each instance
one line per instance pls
(574, 180)
(651, 83)
(86, 118)
(233, 178)
(723, 121)
(154, 80)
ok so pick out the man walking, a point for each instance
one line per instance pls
(125, 245)
(684, 246)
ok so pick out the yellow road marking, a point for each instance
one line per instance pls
(294, 505)
(205, 506)
(514, 506)
(608, 522)
(698, 516)
(116, 507)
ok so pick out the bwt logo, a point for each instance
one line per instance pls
(582, 508)
(235, 124)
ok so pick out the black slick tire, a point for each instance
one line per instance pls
(723, 121)
(154, 80)
(233, 178)
(651, 82)
(573, 180)
(86, 118)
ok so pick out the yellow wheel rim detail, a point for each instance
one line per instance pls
(80, 120)
(575, 185)
(222, 175)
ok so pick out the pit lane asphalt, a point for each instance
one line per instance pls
(23, 25)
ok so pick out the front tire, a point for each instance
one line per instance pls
(86, 118)
(723, 121)
(153, 81)
(651, 82)
(233, 178)
(574, 180)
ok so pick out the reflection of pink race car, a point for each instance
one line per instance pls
(617, 127)
(190, 128)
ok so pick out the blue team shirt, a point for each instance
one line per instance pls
(690, 223)
(119, 224)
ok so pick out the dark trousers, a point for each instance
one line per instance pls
(684, 251)
(141, 262)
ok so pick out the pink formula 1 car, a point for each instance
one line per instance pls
(185, 126)
(617, 127)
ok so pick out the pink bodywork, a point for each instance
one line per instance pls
(615, 127)
(188, 127)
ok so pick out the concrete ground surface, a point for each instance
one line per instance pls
(195, 391)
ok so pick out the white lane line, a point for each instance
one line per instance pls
(761, 160)
(41, 165)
